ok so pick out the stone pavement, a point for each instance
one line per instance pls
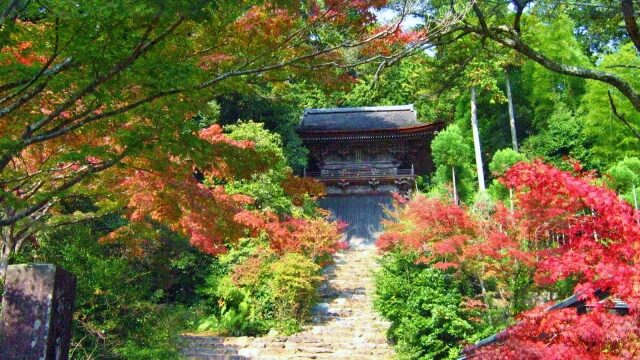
(344, 324)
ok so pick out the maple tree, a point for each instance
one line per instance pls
(212, 217)
(564, 227)
(122, 95)
(584, 232)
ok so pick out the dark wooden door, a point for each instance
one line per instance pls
(362, 213)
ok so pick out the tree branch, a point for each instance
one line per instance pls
(49, 73)
(501, 36)
(621, 117)
(138, 51)
(78, 177)
(623, 67)
(480, 16)
(519, 5)
(44, 67)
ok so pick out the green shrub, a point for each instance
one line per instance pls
(293, 280)
(424, 306)
(126, 307)
(234, 293)
(251, 291)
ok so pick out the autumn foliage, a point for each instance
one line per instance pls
(297, 188)
(116, 108)
(209, 216)
(315, 238)
(564, 226)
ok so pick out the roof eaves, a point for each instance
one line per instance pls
(342, 110)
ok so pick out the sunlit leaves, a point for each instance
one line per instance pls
(564, 226)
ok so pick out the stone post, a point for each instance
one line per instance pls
(37, 307)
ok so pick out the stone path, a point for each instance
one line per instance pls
(344, 324)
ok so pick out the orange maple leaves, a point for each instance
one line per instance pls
(209, 216)
(23, 53)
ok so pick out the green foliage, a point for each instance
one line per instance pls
(293, 282)
(126, 307)
(264, 141)
(563, 138)
(624, 177)
(235, 309)
(545, 88)
(410, 82)
(266, 187)
(250, 291)
(624, 174)
(159, 330)
(503, 160)
(449, 148)
(424, 306)
(279, 112)
(611, 139)
(451, 151)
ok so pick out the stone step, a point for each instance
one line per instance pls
(343, 324)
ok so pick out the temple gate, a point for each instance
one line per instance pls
(363, 155)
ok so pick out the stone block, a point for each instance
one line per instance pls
(37, 308)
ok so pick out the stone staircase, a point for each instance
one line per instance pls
(344, 324)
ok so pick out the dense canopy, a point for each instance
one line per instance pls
(151, 147)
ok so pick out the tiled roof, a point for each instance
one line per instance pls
(358, 118)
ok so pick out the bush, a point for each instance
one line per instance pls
(269, 280)
(253, 290)
(293, 282)
(424, 306)
(126, 307)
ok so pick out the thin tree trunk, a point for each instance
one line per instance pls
(455, 189)
(5, 250)
(485, 296)
(511, 200)
(512, 117)
(635, 203)
(476, 141)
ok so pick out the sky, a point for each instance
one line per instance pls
(387, 15)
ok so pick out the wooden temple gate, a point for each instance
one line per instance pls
(363, 155)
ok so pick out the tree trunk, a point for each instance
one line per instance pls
(485, 296)
(630, 22)
(511, 200)
(455, 189)
(512, 117)
(476, 141)
(635, 203)
(5, 250)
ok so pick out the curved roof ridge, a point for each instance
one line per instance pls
(359, 118)
(408, 107)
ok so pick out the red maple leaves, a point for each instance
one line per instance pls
(315, 238)
(580, 229)
(563, 225)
